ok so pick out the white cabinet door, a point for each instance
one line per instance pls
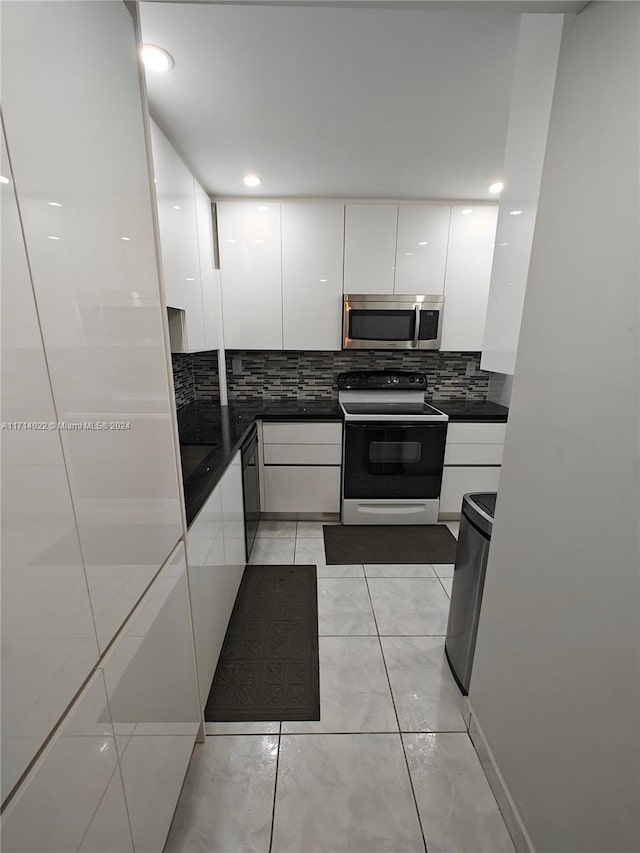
(233, 516)
(308, 488)
(466, 292)
(251, 274)
(48, 641)
(421, 255)
(150, 675)
(312, 260)
(73, 798)
(214, 584)
(209, 280)
(370, 247)
(175, 190)
(97, 294)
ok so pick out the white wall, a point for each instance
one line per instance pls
(556, 677)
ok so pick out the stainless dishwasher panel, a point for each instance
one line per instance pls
(466, 593)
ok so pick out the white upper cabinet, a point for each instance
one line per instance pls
(249, 242)
(469, 258)
(529, 115)
(421, 256)
(186, 242)
(370, 247)
(312, 255)
(208, 274)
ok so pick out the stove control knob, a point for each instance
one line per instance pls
(421, 380)
(394, 380)
(412, 379)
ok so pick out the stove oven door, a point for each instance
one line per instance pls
(393, 461)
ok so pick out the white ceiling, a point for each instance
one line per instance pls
(336, 101)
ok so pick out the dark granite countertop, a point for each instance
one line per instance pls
(478, 411)
(211, 434)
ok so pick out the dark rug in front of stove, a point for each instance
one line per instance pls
(388, 543)
(268, 667)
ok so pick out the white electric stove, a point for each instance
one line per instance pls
(393, 450)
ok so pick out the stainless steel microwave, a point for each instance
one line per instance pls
(377, 321)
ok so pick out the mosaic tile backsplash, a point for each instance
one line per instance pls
(183, 379)
(313, 375)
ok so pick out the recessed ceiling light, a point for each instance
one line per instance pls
(466, 211)
(496, 188)
(190, 278)
(423, 243)
(408, 253)
(262, 208)
(51, 237)
(252, 181)
(231, 240)
(126, 238)
(515, 212)
(54, 204)
(323, 280)
(176, 207)
(3, 180)
(155, 58)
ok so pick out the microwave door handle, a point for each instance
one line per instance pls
(416, 329)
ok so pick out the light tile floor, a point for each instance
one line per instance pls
(389, 768)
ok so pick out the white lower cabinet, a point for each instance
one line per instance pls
(302, 488)
(216, 562)
(73, 799)
(150, 676)
(302, 467)
(472, 460)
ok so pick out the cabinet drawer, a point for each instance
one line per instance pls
(317, 432)
(302, 489)
(457, 481)
(473, 454)
(476, 433)
(302, 454)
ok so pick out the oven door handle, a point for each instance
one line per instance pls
(388, 424)
(416, 329)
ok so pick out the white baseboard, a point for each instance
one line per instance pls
(519, 835)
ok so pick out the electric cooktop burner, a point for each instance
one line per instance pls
(386, 395)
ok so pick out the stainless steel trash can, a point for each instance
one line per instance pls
(476, 524)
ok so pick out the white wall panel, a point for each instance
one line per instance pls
(555, 685)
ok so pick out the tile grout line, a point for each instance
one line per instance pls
(395, 710)
(275, 789)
